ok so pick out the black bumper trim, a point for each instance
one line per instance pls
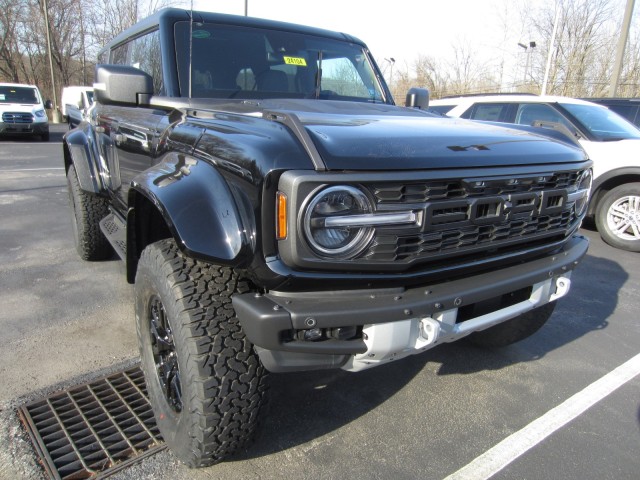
(265, 318)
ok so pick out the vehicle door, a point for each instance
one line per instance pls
(129, 135)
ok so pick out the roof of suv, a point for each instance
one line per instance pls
(509, 98)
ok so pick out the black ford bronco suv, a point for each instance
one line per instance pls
(277, 212)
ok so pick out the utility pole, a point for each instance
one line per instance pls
(622, 43)
(54, 114)
(552, 46)
(246, 8)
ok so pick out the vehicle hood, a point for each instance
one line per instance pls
(20, 107)
(353, 136)
(611, 155)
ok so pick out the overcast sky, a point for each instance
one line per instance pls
(399, 29)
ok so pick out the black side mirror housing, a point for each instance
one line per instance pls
(48, 104)
(417, 98)
(122, 85)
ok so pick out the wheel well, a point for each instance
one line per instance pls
(145, 225)
(67, 157)
(607, 185)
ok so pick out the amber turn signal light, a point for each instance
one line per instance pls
(281, 216)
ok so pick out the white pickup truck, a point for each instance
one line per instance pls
(76, 102)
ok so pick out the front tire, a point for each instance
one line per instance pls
(206, 384)
(86, 212)
(618, 217)
(513, 330)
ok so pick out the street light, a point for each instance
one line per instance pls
(391, 61)
(527, 51)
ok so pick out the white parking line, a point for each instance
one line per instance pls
(505, 452)
(29, 169)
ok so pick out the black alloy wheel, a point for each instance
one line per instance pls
(164, 354)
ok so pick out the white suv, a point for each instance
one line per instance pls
(611, 142)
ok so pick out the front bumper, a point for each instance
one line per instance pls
(271, 321)
(35, 128)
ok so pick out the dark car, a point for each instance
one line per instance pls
(628, 108)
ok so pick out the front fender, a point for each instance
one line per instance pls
(78, 150)
(199, 209)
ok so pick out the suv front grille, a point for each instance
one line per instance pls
(469, 215)
(17, 117)
(419, 192)
(393, 248)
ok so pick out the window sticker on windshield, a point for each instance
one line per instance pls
(299, 61)
(2, 96)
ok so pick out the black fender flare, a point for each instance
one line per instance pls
(202, 211)
(78, 150)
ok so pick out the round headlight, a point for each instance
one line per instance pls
(584, 185)
(337, 239)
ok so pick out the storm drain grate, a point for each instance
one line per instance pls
(96, 429)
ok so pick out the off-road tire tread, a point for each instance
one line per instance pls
(223, 381)
(514, 330)
(88, 210)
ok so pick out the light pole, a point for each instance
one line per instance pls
(392, 62)
(54, 114)
(527, 51)
(622, 42)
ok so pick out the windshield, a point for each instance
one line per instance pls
(24, 95)
(601, 122)
(241, 62)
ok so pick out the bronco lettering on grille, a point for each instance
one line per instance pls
(495, 209)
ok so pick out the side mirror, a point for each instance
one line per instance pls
(48, 104)
(122, 85)
(417, 98)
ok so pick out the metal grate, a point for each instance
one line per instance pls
(94, 430)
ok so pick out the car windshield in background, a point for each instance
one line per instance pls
(23, 95)
(601, 122)
(242, 62)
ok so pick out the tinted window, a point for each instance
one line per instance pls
(601, 122)
(442, 109)
(143, 53)
(491, 112)
(529, 113)
(627, 111)
(243, 62)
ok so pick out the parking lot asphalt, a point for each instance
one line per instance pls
(65, 321)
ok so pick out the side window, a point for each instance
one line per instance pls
(528, 113)
(144, 53)
(490, 112)
(119, 54)
(104, 57)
